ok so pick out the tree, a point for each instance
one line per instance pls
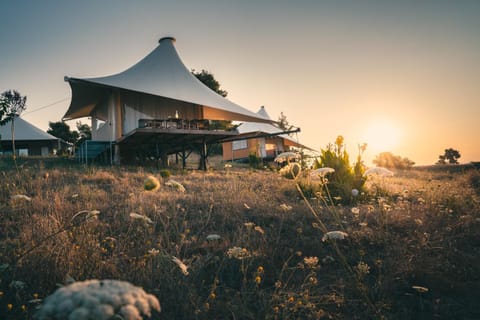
(283, 123)
(84, 133)
(13, 104)
(209, 80)
(451, 155)
(391, 161)
(62, 131)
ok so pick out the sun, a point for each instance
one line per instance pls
(382, 135)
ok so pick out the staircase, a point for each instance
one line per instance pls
(90, 150)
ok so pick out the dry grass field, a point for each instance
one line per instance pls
(239, 243)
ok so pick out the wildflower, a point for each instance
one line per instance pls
(355, 210)
(291, 171)
(227, 165)
(260, 269)
(286, 156)
(311, 262)
(379, 171)
(151, 184)
(259, 229)
(75, 195)
(181, 265)
(313, 280)
(153, 252)
(321, 172)
(278, 284)
(334, 235)
(249, 225)
(328, 259)
(246, 206)
(291, 299)
(89, 214)
(258, 279)
(339, 141)
(355, 192)
(420, 289)
(21, 197)
(212, 296)
(238, 253)
(285, 207)
(98, 299)
(176, 185)
(24, 308)
(137, 216)
(363, 268)
(213, 237)
(9, 306)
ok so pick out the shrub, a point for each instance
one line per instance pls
(345, 178)
(254, 161)
(164, 173)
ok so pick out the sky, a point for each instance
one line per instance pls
(401, 76)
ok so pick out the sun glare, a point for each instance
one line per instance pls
(382, 135)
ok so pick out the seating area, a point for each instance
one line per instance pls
(174, 123)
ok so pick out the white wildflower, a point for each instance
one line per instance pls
(355, 192)
(21, 197)
(420, 289)
(286, 156)
(98, 299)
(379, 171)
(89, 214)
(137, 216)
(311, 261)
(285, 207)
(238, 253)
(246, 206)
(153, 252)
(181, 265)
(227, 165)
(334, 235)
(175, 184)
(321, 172)
(213, 237)
(355, 210)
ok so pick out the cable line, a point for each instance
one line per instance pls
(48, 105)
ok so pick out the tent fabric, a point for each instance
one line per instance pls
(249, 127)
(23, 131)
(161, 73)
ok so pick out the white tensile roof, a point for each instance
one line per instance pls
(23, 131)
(249, 127)
(163, 74)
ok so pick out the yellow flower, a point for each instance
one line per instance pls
(291, 299)
(260, 269)
(212, 296)
(258, 279)
(339, 141)
(9, 306)
(24, 308)
(276, 309)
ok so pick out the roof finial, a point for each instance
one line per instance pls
(167, 38)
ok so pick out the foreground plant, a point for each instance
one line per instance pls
(98, 299)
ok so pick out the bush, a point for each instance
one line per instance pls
(345, 178)
(164, 173)
(254, 161)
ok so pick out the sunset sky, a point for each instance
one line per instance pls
(402, 76)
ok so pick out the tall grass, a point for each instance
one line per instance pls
(251, 245)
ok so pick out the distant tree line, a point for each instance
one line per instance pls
(62, 131)
(391, 161)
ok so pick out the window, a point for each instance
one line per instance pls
(239, 144)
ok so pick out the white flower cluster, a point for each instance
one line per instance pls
(98, 299)
(175, 185)
(334, 235)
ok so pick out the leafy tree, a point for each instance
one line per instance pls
(451, 155)
(389, 160)
(13, 104)
(209, 80)
(283, 123)
(62, 131)
(84, 133)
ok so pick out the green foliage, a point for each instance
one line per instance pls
(391, 161)
(254, 161)
(209, 80)
(12, 104)
(345, 178)
(451, 155)
(165, 173)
